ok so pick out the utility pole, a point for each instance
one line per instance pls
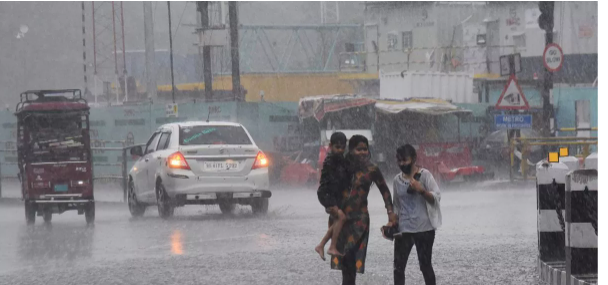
(124, 54)
(546, 22)
(84, 53)
(234, 51)
(150, 59)
(115, 55)
(203, 8)
(171, 52)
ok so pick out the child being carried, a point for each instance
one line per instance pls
(334, 180)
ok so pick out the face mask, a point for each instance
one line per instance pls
(407, 169)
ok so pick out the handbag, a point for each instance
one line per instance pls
(389, 232)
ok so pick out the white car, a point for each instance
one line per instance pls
(199, 163)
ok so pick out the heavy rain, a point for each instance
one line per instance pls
(335, 142)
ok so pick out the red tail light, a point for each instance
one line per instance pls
(261, 161)
(177, 161)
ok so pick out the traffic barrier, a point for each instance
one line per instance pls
(563, 244)
(581, 225)
(591, 161)
(555, 274)
(551, 185)
(572, 162)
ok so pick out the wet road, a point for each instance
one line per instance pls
(488, 237)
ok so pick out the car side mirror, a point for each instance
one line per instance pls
(137, 151)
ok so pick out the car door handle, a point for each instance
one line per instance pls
(158, 157)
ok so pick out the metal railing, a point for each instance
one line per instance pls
(122, 163)
(526, 143)
(577, 129)
(5, 163)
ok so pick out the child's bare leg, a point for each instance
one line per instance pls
(320, 249)
(327, 236)
(336, 228)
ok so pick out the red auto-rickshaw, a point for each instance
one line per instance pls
(321, 116)
(54, 154)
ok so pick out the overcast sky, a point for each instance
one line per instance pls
(50, 54)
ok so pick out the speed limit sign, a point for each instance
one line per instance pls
(553, 57)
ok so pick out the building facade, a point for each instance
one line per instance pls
(471, 36)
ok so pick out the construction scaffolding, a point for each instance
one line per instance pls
(109, 62)
(289, 49)
(330, 12)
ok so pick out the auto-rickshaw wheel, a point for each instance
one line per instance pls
(30, 213)
(89, 213)
(227, 207)
(47, 215)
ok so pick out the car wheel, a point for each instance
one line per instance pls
(260, 206)
(227, 207)
(30, 213)
(136, 208)
(165, 209)
(89, 213)
(47, 215)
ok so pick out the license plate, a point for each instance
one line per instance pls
(61, 188)
(201, 196)
(220, 165)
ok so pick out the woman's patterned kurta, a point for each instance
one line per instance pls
(355, 232)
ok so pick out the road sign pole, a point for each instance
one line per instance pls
(512, 133)
(512, 70)
(546, 22)
(511, 100)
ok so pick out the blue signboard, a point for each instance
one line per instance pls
(513, 121)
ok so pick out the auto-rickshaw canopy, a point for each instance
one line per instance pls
(427, 106)
(34, 101)
(318, 106)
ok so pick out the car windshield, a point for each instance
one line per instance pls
(210, 135)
